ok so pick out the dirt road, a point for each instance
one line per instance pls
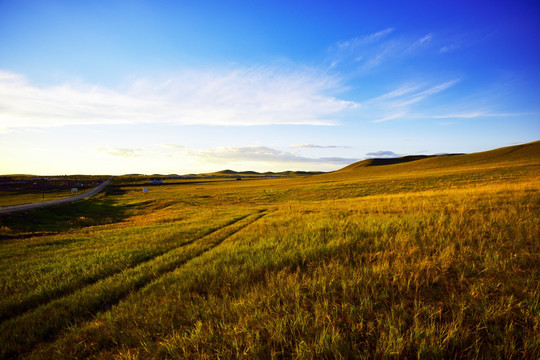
(23, 207)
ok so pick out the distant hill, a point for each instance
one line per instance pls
(388, 161)
(512, 155)
(254, 174)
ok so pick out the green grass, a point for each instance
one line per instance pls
(9, 198)
(432, 260)
(31, 189)
(103, 209)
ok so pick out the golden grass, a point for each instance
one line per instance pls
(356, 264)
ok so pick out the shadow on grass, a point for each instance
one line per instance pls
(99, 210)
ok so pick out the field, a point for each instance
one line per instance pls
(433, 258)
(21, 189)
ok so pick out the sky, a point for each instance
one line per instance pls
(178, 87)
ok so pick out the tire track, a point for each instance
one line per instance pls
(45, 323)
(12, 311)
(219, 239)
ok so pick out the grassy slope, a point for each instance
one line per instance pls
(508, 156)
(437, 257)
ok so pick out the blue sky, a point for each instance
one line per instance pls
(114, 87)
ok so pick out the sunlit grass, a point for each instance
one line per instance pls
(395, 264)
(8, 198)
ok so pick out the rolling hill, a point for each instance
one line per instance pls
(518, 155)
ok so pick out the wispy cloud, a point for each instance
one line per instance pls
(401, 102)
(453, 42)
(364, 40)
(369, 51)
(353, 50)
(448, 48)
(260, 158)
(401, 91)
(241, 96)
(319, 146)
(382, 154)
(173, 146)
(421, 95)
(390, 117)
(424, 40)
(471, 115)
(122, 152)
(264, 154)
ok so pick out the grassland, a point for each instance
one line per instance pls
(432, 258)
(9, 198)
(25, 189)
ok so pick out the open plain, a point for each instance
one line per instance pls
(432, 257)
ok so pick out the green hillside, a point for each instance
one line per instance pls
(512, 155)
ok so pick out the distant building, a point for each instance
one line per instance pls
(156, 181)
(74, 190)
(145, 190)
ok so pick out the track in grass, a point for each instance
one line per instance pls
(33, 302)
(45, 322)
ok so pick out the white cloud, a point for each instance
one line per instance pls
(402, 90)
(355, 50)
(173, 146)
(425, 39)
(243, 96)
(367, 52)
(390, 117)
(448, 48)
(464, 40)
(263, 154)
(472, 115)
(122, 152)
(382, 154)
(363, 40)
(319, 146)
(421, 95)
(258, 158)
(401, 102)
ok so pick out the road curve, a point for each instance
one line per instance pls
(23, 207)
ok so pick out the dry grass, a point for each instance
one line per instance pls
(363, 263)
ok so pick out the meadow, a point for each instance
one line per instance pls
(433, 258)
(24, 189)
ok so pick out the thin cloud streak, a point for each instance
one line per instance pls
(257, 156)
(382, 154)
(122, 152)
(363, 40)
(231, 97)
(173, 146)
(296, 146)
(472, 115)
(370, 51)
(419, 96)
(263, 154)
(352, 50)
(400, 103)
(390, 117)
(403, 90)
